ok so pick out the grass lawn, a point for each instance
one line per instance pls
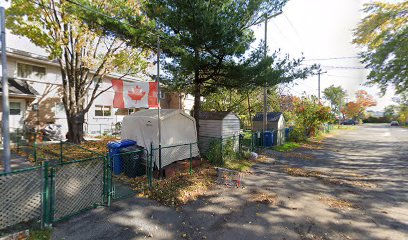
(44, 234)
(241, 165)
(287, 147)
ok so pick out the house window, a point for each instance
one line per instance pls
(30, 71)
(15, 108)
(103, 111)
(59, 110)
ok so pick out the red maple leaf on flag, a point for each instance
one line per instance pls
(136, 94)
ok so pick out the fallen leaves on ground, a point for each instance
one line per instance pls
(311, 146)
(303, 156)
(179, 189)
(302, 172)
(325, 177)
(44, 151)
(264, 198)
(337, 203)
(263, 159)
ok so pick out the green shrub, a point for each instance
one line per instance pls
(220, 151)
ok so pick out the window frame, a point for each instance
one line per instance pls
(32, 65)
(11, 108)
(103, 110)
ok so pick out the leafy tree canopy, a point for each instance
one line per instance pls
(383, 34)
(357, 108)
(336, 96)
(85, 55)
(206, 43)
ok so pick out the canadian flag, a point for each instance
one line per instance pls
(134, 94)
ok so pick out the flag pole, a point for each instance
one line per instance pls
(158, 104)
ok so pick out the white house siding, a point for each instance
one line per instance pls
(22, 50)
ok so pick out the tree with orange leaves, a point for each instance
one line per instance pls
(356, 109)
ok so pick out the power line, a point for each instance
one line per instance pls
(338, 67)
(332, 58)
(294, 29)
(284, 36)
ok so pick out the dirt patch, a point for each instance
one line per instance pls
(337, 203)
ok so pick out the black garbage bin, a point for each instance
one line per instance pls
(134, 161)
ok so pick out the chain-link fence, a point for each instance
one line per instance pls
(163, 156)
(219, 150)
(132, 162)
(21, 199)
(55, 190)
(79, 185)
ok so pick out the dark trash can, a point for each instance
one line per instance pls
(268, 138)
(114, 154)
(287, 131)
(134, 161)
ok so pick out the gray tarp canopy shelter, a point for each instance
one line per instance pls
(178, 130)
(276, 122)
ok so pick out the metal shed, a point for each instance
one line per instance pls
(276, 122)
(218, 125)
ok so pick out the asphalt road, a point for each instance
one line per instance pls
(361, 192)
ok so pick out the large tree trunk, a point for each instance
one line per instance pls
(249, 112)
(75, 128)
(197, 104)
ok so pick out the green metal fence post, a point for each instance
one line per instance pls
(161, 174)
(222, 151)
(109, 180)
(104, 193)
(191, 159)
(35, 151)
(17, 140)
(52, 195)
(60, 150)
(45, 196)
(240, 141)
(150, 179)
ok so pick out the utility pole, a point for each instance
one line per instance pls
(158, 106)
(318, 89)
(5, 93)
(265, 113)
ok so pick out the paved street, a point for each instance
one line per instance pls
(357, 189)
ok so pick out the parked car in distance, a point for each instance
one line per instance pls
(394, 123)
(348, 122)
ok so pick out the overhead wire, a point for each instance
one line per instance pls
(331, 58)
(294, 29)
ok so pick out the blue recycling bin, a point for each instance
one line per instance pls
(287, 131)
(114, 154)
(268, 139)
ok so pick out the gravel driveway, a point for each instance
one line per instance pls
(354, 186)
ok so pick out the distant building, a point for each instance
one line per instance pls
(275, 122)
(218, 126)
